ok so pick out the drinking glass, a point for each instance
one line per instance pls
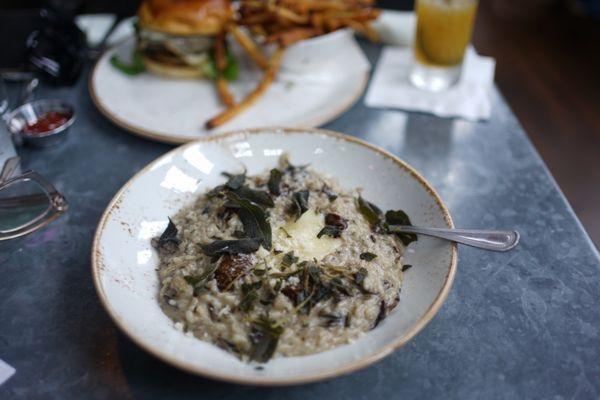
(444, 30)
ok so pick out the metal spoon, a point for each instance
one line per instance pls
(482, 239)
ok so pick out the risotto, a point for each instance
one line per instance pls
(285, 263)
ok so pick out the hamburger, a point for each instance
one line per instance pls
(175, 38)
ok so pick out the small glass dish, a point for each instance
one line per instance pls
(29, 114)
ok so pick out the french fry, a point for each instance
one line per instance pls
(288, 21)
(316, 19)
(254, 19)
(224, 92)
(249, 46)
(367, 14)
(291, 16)
(220, 52)
(284, 22)
(221, 63)
(261, 88)
(258, 30)
(291, 36)
(333, 24)
(317, 5)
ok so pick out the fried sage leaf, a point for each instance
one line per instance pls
(337, 284)
(250, 295)
(360, 275)
(240, 246)
(367, 256)
(259, 197)
(274, 183)
(235, 181)
(332, 319)
(331, 195)
(381, 315)
(264, 337)
(299, 203)
(294, 170)
(236, 184)
(288, 260)
(168, 237)
(406, 267)
(314, 273)
(329, 230)
(271, 293)
(370, 211)
(322, 293)
(191, 280)
(254, 219)
(399, 217)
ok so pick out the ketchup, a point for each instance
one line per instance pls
(47, 122)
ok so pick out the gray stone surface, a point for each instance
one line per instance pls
(519, 325)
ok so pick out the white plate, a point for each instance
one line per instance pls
(174, 110)
(124, 262)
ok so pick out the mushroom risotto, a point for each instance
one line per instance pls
(284, 263)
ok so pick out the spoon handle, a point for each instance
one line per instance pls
(482, 239)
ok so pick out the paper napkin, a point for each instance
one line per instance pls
(95, 26)
(468, 99)
(6, 371)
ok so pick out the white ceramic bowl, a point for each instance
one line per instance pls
(123, 262)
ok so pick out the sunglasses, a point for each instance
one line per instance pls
(27, 202)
